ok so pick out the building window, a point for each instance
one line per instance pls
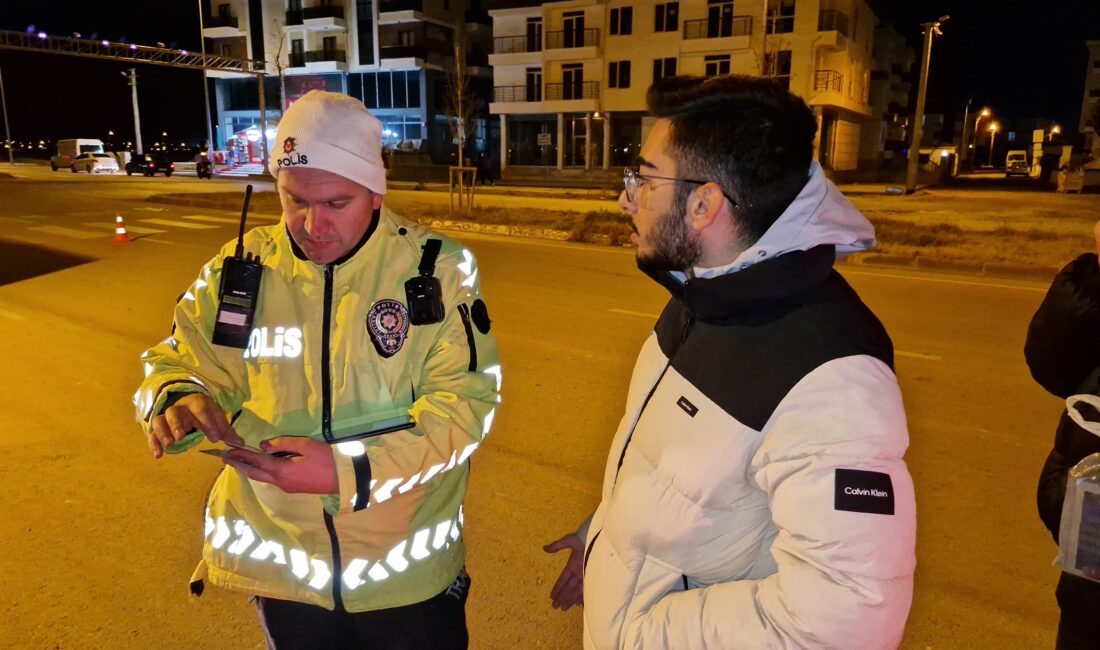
(399, 89)
(534, 84)
(406, 38)
(718, 64)
(664, 68)
(667, 17)
(719, 19)
(1094, 93)
(622, 21)
(572, 78)
(534, 34)
(328, 44)
(618, 74)
(780, 16)
(226, 49)
(777, 66)
(223, 10)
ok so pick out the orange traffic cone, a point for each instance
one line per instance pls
(120, 230)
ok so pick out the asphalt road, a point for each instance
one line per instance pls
(99, 539)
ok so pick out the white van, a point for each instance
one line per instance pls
(70, 150)
(1016, 163)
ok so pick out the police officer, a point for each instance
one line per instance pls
(351, 411)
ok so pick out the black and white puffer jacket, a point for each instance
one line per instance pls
(755, 494)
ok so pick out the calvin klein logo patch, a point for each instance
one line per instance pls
(688, 407)
(859, 490)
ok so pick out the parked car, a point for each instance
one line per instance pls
(94, 163)
(150, 164)
(1016, 163)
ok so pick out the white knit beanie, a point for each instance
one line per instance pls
(333, 132)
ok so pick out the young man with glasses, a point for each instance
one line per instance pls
(755, 493)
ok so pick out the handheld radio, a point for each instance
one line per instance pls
(238, 292)
(423, 293)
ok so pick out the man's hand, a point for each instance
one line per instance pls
(309, 469)
(569, 589)
(192, 411)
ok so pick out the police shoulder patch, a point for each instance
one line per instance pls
(388, 325)
(859, 490)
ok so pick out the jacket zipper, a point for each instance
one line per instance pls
(326, 428)
(684, 332)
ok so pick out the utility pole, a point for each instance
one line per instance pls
(132, 75)
(931, 30)
(206, 92)
(7, 132)
(263, 118)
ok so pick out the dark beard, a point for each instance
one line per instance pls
(673, 247)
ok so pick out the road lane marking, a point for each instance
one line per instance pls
(918, 355)
(203, 217)
(151, 209)
(154, 241)
(66, 232)
(899, 353)
(639, 314)
(134, 229)
(968, 283)
(178, 224)
(267, 217)
(12, 315)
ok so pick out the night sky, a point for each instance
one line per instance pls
(1023, 59)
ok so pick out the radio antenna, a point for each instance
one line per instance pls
(239, 253)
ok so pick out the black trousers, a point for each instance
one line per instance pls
(438, 623)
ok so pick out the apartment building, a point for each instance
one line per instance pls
(885, 136)
(393, 55)
(1090, 102)
(570, 77)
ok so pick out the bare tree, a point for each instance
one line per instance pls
(460, 103)
(277, 61)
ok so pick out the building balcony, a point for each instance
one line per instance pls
(571, 44)
(708, 35)
(324, 17)
(830, 90)
(833, 28)
(569, 92)
(517, 94)
(221, 27)
(780, 24)
(392, 12)
(717, 28)
(571, 38)
(516, 50)
(326, 60)
(516, 44)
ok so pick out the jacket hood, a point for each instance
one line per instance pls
(819, 215)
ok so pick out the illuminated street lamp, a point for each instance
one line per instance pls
(1055, 130)
(992, 136)
(985, 112)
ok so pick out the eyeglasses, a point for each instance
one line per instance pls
(632, 180)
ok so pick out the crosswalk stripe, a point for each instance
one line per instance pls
(134, 229)
(178, 224)
(203, 217)
(267, 217)
(67, 232)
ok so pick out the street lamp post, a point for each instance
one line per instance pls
(7, 134)
(984, 113)
(132, 76)
(205, 90)
(992, 136)
(930, 30)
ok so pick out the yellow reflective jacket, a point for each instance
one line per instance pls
(392, 536)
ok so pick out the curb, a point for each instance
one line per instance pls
(964, 267)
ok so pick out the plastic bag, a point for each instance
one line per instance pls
(1079, 532)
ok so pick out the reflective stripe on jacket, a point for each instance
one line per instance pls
(392, 536)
